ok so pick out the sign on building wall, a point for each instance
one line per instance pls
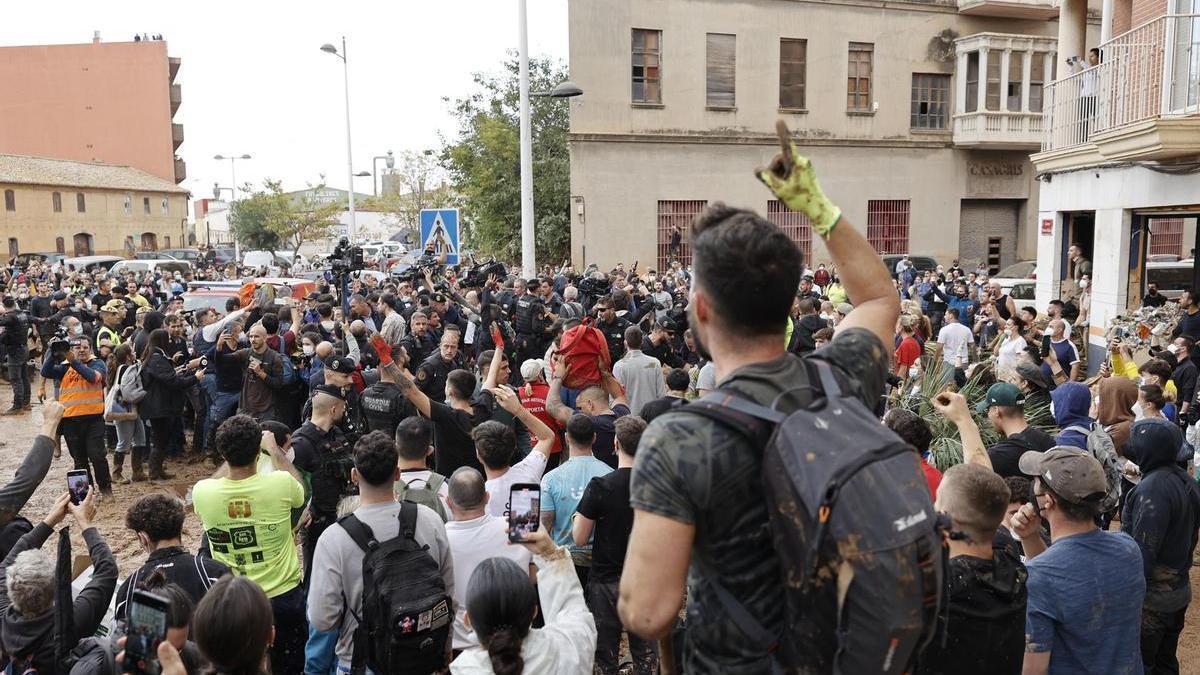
(439, 229)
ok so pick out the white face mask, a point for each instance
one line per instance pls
(78, 329)
(1083, 283)
(1173, 348)
(1142, 382)
(309, 350)
(1137, 411)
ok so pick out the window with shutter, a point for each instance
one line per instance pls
(647, 66)
(793, 57)
(722, 70)
(858, 77)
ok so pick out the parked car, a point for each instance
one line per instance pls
(165, 266)
(1172, 278)
(189, 254)
(91, 263)
(921, 262)
(24, 259)
(1023, 291)
(1015, 273)
(202, 294)
(281, 261)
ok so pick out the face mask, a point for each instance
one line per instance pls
(78, 330)
(1137, 411)
(1173, 348)
(1142, 382)
(309, 350)
(1083, 284)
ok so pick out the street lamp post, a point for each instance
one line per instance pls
(563, 90)
(237, 248)
(353, 231)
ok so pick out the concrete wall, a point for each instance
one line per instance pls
(36, 226)
(103, 102)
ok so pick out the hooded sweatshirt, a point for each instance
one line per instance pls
(1117, 397)
(1162, 514)
(1071, 402)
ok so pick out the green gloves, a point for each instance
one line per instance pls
(793, 180)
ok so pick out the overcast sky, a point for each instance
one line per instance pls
(255, 81)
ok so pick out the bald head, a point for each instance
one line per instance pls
(467, 491)
(593, 400)
(324, 350)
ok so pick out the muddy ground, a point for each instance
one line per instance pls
(17, 434)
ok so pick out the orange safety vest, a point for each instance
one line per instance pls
(79, 396)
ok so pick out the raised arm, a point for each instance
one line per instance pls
(414, 394)
(554, 404)
(953, 406)
(867, 282)
(508, 399)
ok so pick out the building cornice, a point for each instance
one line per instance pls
(760, 139)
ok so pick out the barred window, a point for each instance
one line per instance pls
(676, 216)
(887, 225)
(793, 223)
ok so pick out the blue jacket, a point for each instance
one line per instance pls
(1071, 402)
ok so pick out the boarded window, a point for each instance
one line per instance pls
(647, 66)
(80, 202)
(10, 200)
(721, 70)
(858, 77)
(56, 202)
(930, 101)
(793, 223)
(674, 230)
(887, 225)
(793, 73)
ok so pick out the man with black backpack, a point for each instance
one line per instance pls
(387, 626)
(709, 491)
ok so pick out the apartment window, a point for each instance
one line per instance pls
(647, 66)
(793, 73)
(166, 206)
(675, 217)
(793, 223)
(80, 202)
(993, 81)
(129, 205)
(930, 101)
(721, 70)
(887, 225)
(858, 77)
(10, 200)
(1036, 79)
(146, 205)
(56, 202)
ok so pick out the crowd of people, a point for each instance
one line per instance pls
(674, 424)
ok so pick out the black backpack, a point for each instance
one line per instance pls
(406, 612)
(859, 545)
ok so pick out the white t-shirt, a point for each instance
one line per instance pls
(956, 340)
(1010, 351)
(707, 380)
(472, 542)
(528, 470)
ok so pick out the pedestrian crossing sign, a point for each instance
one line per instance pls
(439, 229)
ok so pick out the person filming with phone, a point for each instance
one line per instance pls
(81, 391)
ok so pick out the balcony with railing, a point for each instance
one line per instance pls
(1001, 110)
(176, 134)
(180, 170)
(1142, 102)
(176, 98)
(1010, 9)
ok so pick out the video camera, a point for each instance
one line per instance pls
(478, 275)
(592, 289)
(346, 258)
(59, 345)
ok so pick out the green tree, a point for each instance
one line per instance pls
(270, 220)
(484, 163)
(251, 220)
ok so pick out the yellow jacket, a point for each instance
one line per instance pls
(1129, 369)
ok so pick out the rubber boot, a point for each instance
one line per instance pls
(138, 474)
(118, 472)
(156, 469)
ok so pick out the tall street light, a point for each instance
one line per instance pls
(237, 247)
(353, 231)
(564, 90)
(389, 161)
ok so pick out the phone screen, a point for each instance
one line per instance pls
(77, 485)
(524, 510)
(1045, 346)
(147, 628)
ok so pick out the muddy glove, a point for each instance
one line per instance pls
(791, 177)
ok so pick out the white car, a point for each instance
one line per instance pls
(169, 267)
(276, 260)
(1014, 274)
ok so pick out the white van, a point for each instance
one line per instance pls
(168, 267)
(1172, 277)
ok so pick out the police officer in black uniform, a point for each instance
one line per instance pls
(325, 453)
(339, 373)
(529, 323)
(383, 404)
(612, 326)
(431, 375)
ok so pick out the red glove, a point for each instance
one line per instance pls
(383, 349)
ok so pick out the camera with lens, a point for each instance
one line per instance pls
(593, 288)
(346, 258)
(478, 275)
(203, 362)
(59, 345)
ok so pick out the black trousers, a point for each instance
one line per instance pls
(1160, 640)
(18, 375)
(291, 631)
(162, 431)
(602, 602)
(85, 442)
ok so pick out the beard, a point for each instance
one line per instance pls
(695, 324)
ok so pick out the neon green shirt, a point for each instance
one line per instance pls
(248, 523)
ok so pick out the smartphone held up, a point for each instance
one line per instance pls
(524, 510)
(78, 485)
(147, 629)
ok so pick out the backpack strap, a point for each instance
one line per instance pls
(360, 532)
(751, 627)
(408, 520)
(435, 482)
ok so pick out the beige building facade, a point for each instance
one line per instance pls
(681, 98)
(87, 208)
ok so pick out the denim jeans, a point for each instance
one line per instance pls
(223, 405)
(18, 375)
